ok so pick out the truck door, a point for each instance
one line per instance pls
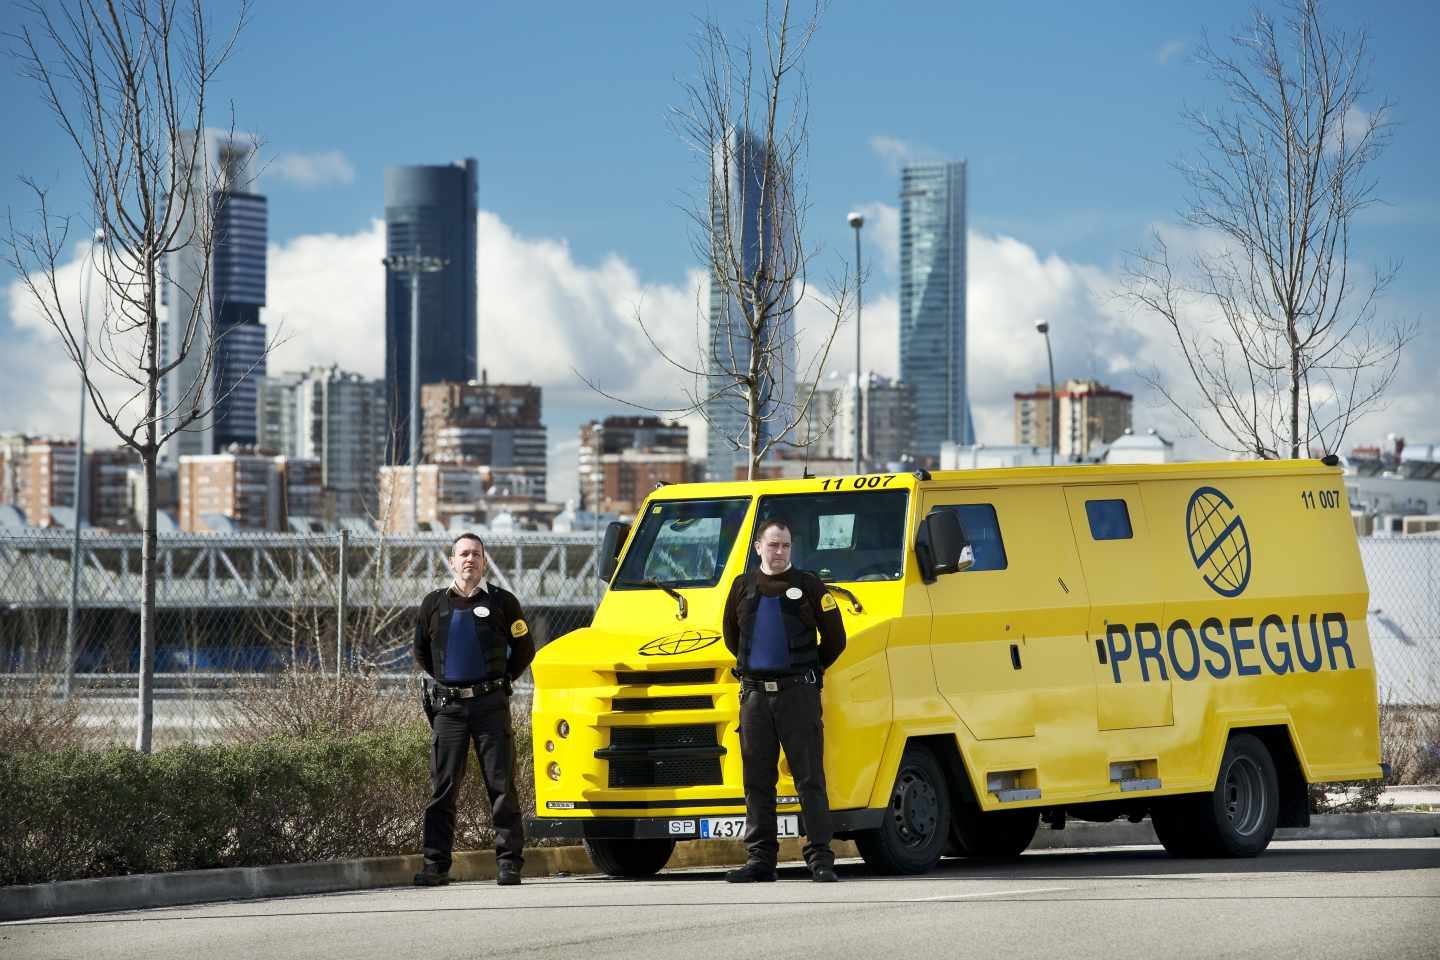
(1007, 636)
(1122, 575)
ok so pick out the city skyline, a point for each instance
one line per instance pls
(1067, 170)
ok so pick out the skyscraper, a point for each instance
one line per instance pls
(429, 211)
(932, 305)
(758, 211)
(232, 273)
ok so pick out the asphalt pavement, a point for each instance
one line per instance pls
(1302, 899)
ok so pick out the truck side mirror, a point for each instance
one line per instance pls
(609, 559)
(942, 547)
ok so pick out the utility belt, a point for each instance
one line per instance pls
(444, 694)
(778, 684)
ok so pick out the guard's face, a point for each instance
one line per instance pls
(467, 560)
(774, 549)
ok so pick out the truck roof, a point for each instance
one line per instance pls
(1014, 476)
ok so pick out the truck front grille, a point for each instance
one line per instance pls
(643, 678)
(644, 704)
(676, 756)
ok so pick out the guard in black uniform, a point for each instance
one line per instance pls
(472, 640)
(771, 619)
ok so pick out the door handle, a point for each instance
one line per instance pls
(1015, 656)
(1100, 649)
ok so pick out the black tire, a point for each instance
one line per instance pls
(1236, 819)
(916, 826)
(630, 859)
(1174, 821)
(999, 835)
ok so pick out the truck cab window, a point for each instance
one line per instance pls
(982, 529)
(682, 543)
(842, 536)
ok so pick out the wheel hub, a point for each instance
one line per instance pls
(1244, 796)
(915, 807)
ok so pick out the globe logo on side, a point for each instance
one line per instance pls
(1219, 543)
(675, 644)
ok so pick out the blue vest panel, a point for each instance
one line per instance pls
(464, 653)
(769, 645)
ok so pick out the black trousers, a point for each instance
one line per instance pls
(790, 719)
(485, 722)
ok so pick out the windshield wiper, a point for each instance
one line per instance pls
(854, 600)
(684, 607)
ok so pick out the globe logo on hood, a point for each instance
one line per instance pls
(676, 644)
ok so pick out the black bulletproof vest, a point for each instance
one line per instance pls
(491, 633)
(796, 615)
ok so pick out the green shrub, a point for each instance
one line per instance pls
(84, 813)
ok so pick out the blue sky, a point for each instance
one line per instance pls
(1067, 113)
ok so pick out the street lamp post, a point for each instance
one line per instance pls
(415, 265)
(73, 611)
(1044, 330)
(857, 221)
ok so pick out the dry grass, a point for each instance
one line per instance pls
(308, 702)
(1410, 743)
(35, 717)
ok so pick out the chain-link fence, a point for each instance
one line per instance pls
(236, 611)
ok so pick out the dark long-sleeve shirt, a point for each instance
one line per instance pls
(432, 626)
(828, 620)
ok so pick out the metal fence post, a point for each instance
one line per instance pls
(340, 604)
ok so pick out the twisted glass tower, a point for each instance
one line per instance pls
(932, 306)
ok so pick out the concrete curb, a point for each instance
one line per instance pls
(150, 890)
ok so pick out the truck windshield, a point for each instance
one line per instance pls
(682, 543)
(842, 536)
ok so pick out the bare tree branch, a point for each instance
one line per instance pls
(1283, 167)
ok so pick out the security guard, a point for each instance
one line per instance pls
(771, 619)
(472, 640)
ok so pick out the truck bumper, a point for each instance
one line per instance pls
(686, 827)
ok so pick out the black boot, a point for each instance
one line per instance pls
(432, 877)
(508, 874)
(753, 872)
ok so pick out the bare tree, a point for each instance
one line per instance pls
(746, 116)
(127, 82)
(1278, 328)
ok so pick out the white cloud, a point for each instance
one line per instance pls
(898, 153)
(543, 315)
(321, 169)
(1169, 51)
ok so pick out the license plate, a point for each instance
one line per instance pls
(733, 828)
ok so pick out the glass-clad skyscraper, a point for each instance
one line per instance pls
(229, 282)
(932, 305)
(757, 210)
(429, 211)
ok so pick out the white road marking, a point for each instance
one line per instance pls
(991, 893)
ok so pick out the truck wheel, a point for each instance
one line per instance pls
(630, 858)
(916, 826)
(999, 835)
(1239, 816)
(1236, 819)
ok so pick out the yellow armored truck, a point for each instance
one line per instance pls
(1183, 641)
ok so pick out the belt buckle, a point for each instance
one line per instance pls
(772, 686)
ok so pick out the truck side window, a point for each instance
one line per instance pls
(982, 529)
(1109, 519)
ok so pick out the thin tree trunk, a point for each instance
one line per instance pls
(1294, 396)
(145, 703)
